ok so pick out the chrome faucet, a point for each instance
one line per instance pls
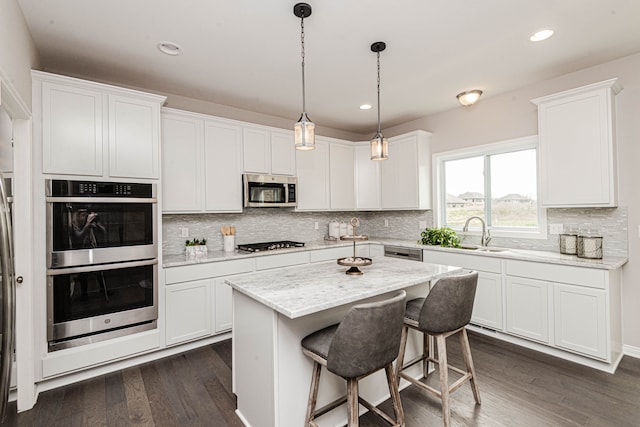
(486, 237)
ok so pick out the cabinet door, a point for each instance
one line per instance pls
(222, 314)
(405, 176)
(487, 307)
(367, 179)
(187, 311)
(312, 169)
(283, 153)
(576, 140)
(257, 150)
(134, 137)
(341, 175)
(223, 167)
(528, 308)
(580, 319)
(72, 134)
(181, 164)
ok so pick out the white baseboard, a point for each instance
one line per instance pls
(629, 350)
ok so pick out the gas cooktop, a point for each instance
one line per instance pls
(269, 246)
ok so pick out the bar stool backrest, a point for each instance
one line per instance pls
(449, 304)
(368, 338)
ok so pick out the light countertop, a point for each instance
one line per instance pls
(607, 263)
(311, 288)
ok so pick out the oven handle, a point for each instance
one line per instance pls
(100, 267)
(51, 199)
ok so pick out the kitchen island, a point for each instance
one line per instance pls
(274, 310)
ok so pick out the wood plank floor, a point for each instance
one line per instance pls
(519, 387)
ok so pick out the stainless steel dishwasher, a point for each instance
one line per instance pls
(412, 254)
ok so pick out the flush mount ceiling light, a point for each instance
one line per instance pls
(379, 144)
(469, 97)
(170, 48)
(541, 35)
(366, 107)
(304, 129)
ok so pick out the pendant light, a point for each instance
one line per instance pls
(379, 144)
(304, 129)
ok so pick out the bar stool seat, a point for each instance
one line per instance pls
(367, 340)
(444, 312)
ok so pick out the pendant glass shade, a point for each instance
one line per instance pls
(379, 147)
(305, 133)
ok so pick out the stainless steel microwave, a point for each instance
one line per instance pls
(262, 191)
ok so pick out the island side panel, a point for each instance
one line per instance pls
(254, 329)
(293, 369)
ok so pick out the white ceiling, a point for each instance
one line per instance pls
(246, 54)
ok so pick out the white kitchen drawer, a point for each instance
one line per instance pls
(471, 262)
(187, 273)
(281, 260)
(589, 277)
(330, 254)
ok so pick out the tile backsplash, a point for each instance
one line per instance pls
(262, 225)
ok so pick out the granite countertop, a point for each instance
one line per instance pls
(311, 288)
(607, 263)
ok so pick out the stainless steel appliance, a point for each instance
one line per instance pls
(412, 254)
(270, 246)
(269, 191)
(7, 293)
(102, 277)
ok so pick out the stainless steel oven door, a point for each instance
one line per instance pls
(82, 301)
(85, 231)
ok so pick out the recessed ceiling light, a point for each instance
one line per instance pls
(365, 107)
(541, 35)
(170, 48)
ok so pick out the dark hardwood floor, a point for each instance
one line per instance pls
(518, 387)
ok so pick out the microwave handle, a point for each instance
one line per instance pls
(100, 267)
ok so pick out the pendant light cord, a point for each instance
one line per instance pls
(378, 93)
(304, 109)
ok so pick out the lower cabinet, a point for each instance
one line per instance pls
(222, 303)
(487, 307)
(528, 308)
(187, 311)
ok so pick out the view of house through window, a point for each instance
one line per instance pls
(500, 188)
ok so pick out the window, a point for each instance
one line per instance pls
(497, 182)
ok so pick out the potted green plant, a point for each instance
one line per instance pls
(443, 236)
(196, 247)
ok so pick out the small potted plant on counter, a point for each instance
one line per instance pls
(196, 247)
(443, 236)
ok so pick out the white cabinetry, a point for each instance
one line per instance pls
(202, 163)
(405, 181)
(528, 308)
(222, 303)
(187, 311)
(312, 170)
(268, 151)
(576, 133)
(93, 129)
(341, 176)
(367, 179)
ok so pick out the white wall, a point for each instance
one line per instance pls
(511, 115)
(18, 51)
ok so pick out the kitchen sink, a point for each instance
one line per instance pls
(482, 248)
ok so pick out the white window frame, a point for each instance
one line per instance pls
(511, 145)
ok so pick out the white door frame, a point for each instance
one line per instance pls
(20, 114)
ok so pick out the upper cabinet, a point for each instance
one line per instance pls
(367, 179)
(312, 170)
(202, 163)
(268, 151)
(93, 129)
(577, 146)
(405, 177)
(341, 176)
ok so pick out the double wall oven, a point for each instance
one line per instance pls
(102, 256)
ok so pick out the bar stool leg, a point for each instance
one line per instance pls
(395, 395)
(444, 378)
(313, 393)
(426, 353)
(468, 360)
(400, 359)
(352, 403)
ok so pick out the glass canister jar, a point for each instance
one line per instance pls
(589, 244)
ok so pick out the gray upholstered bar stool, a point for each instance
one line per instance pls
(367, 340)
(444, 312)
